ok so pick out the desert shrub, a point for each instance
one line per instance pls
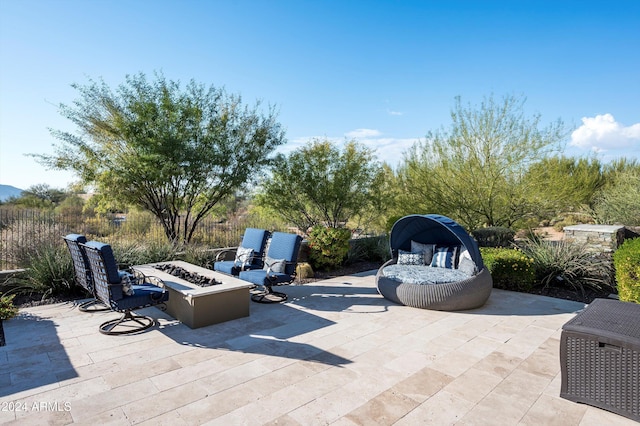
(137, 224)
(128, 253)
(494, 236)
(199, 255)
(626, 261)
(371, 249)
(571, 219)
(620, 203)
(7, 309)
(510, 268)
(328, 247)
(49, 272)
(565, 264)
(96, 227)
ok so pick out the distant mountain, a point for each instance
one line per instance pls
(8, 191)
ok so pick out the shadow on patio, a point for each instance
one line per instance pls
(33, 356)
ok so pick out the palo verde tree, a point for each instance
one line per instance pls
(564, 184)
(475, 172)
(320, 184)
(176, 152)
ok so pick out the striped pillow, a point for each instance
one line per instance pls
(444, 257)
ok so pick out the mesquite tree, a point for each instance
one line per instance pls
(176, 152)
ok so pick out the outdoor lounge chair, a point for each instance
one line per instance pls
(435, 265)
(279, 268)
(121, 292)
(83, 273)
(249, 254)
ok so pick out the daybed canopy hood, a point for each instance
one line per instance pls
(432, 229)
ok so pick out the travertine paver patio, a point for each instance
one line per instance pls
(335, 353)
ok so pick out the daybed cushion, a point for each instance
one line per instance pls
(422, 274)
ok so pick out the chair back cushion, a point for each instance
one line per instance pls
(285, 246)
(255, 239)
(110, 265)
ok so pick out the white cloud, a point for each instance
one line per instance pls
(603, 133)
(363, 133)
(394, 112)
(390, 150)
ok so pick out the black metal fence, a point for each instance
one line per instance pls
(23, 231)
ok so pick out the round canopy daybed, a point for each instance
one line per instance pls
(461, 282)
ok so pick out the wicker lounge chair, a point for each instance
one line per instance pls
(452, 277)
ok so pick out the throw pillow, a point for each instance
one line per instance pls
(426, 249)
(467, 266)
(127, 287)
(410, 258)
(444, 257)
(465, 263)
(244, 256)
(276, 265)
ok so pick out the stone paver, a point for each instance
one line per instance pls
(335, 353)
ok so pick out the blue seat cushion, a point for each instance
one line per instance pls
(259, 277)
(143, 295)
(229, 267)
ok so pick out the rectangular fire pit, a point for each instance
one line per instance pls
(198, 306)
(600, 357)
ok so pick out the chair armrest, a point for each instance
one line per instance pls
(225, 251)
(286, 263)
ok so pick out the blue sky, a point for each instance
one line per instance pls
(383, 72)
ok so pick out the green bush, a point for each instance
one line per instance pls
(620, 203)
(494, 236)
(565, 264)
(7, 309)
(328, 247)
(49, 272)
(510, 268)
(626, 261)
(370, 249)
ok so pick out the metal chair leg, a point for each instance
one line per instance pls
(129, 322)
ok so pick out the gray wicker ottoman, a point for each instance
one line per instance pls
(600, 357)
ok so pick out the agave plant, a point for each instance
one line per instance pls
(128, 253)
(566, 264)
(48, 271)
